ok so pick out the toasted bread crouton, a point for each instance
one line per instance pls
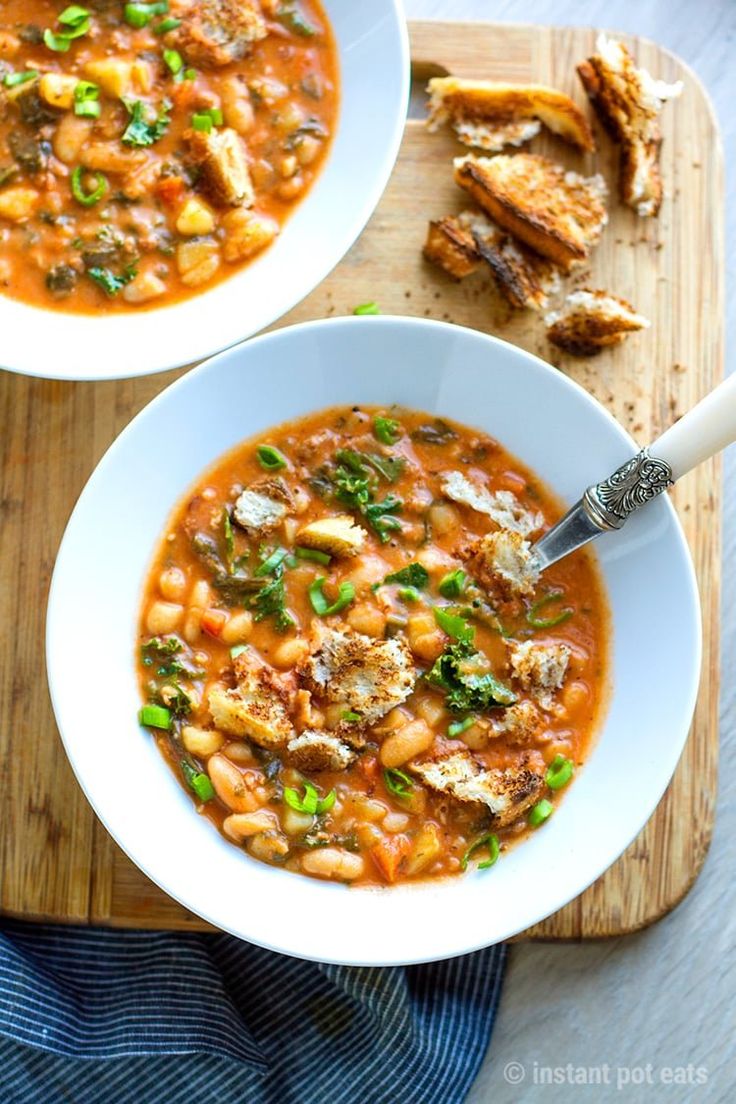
(540, 668)
(493, 114)
(522, 276)
(339, 536)
(216, 32)
(520, 724)
(261, 508)
(258, 707)
(506, 793)
(629, 101)
(556, 213)
(589, 321)
(222, 160)
(368, 676)
(503, 507)
(318, 751)
(504, 564)
(451, 247)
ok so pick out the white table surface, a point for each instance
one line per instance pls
(636, 1007)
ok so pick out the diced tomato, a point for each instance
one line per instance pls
(213, 622)
(388, 855)
(170, 189)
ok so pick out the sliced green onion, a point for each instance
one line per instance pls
(325, 803)
(540, 812)
(205, 120)
(458, 727)
(548, 622)
(88, 199)
(321, 606)
(453, 584)
(367, 308)
(269, 457)
(86, 97)
(454, 625)
(174, 61)
(409, 594)
(138, 15)
(494, 850)
(397, 783)
(58, 43)
(238, 649)
(271, 562)
(165, 25)
(76, 20)
(387, 430)
(307, 804)
(12, 80)
(350, 716)
(559, 772)
(73, 16)
(155, 716)
(313, 555)
(88, 109)
(190, 74)
(198, 781)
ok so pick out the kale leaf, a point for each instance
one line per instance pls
(466, 677)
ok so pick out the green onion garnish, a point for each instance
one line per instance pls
(190, 74)
(559, 772)
(269, 457)
(238, 649)
(12, 80)
(458, 727)
(313, 555)
(138, 15)
(271, 562)
(321, 606)
(494, 850)
(88, 199)
(197, 781)
(367, 308)
(155, 716)
(351, 717)
(454, 625)
(76, 22)
(174, 61)
(540, 812)
(387, 430)
(548, 622)
(86, 100)
(397, 783)
(409, 594)
(311, 802)
(205, 120)
(453, 584)
(166, 25)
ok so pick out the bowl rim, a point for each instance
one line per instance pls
(566, 383)
(23, 315)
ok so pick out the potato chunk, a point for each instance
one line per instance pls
(114, 76)
(339, 536)
(197, 261)
(195, 218)
(247, 233)
(57, 90)
(18, 204)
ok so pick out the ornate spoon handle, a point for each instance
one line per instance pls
(698, 435)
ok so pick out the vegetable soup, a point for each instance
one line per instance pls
(349, 657)
(149, 150)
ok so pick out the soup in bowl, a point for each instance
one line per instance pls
(442, 411)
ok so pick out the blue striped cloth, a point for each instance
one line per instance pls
(92, 1016)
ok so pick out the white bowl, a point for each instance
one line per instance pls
(544, 419)
(373, 50)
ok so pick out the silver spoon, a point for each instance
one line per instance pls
(605, 506)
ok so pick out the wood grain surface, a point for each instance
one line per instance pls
(56, 860)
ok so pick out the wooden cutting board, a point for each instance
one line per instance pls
(56, 860)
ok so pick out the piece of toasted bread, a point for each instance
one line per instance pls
(494, 114)
(458, 243)
(588, 321)
(557, 213)
(451, 247)
(629, 101)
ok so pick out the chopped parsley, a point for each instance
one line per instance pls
(413, 575)
(143, 129)
(387, 430)
(112, 282)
